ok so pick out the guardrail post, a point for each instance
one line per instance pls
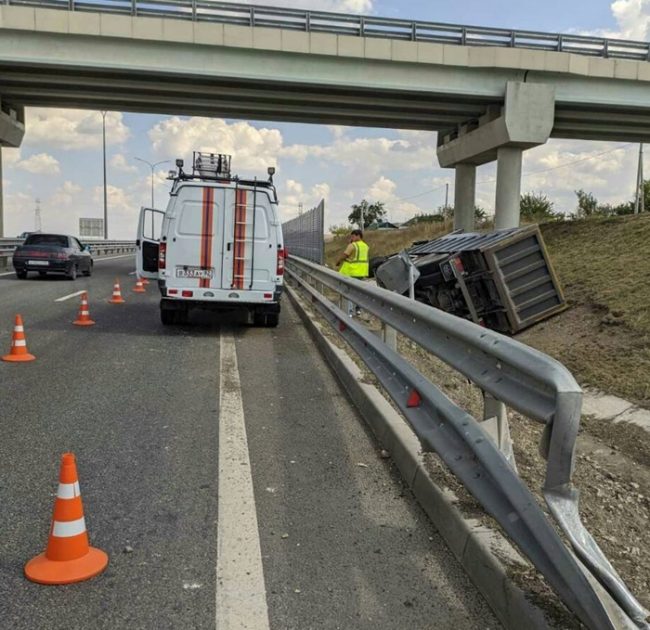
(389, 336)
(252, 16)
(495, 424)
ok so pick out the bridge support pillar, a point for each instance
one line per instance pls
(464, 197)
(508, 196)
(12, 130)
(502, 133)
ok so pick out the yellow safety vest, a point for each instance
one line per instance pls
(357, 266)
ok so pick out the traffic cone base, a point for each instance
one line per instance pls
(18, 358)
(89, 322)
(44, 571)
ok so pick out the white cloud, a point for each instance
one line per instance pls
(39, 164)
(374, 155)
(292, 193)
(251, 148)
(120, 163)
(71, 129)
(384, 190)
(65, 194)
(10, 156)
(633, 18)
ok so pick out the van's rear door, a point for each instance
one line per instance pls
(249, 255)
(148, 242)
(195, 238)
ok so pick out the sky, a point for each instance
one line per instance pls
(60, 161)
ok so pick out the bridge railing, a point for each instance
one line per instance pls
(355, 25)
(479, 452)
(97, 248)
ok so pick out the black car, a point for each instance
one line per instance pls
(52, 253)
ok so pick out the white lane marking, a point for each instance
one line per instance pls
(113, 257)
(67, 297)
(241, 592)
(8, 273)
(132, 273)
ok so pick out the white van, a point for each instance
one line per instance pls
(218, 246)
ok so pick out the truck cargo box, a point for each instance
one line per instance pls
(503, 279)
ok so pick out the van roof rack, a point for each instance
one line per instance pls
(211, 165)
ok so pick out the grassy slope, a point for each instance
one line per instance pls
(604, 267)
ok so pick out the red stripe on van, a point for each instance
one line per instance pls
(209, 233)
(206, 234)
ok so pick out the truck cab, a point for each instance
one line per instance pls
(218, 246)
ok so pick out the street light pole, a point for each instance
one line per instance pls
(152, 166)
(105, 194)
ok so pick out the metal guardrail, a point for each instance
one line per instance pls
(480, 453)
(99, 248)
(355, 25)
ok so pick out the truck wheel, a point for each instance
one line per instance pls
(167, 317)
(182, 316)
(259, 319)
(271, 320)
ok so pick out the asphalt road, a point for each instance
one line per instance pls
(341, 542)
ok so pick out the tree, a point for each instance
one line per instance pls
(587, 204)
(339, 230)
(371, 212)
(480, 215)
(536, 206)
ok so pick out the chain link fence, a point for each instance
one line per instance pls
(303, 236)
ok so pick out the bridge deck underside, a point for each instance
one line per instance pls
(281, 101)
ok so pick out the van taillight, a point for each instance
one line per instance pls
(162, 255)
(280, 270)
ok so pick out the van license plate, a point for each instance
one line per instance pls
(38, 263)
(194, 272)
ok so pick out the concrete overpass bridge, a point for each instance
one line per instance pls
(490, 93)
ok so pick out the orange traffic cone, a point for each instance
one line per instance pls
(139, 287)
(68, 557)
(117, 294)
(144, 281)
(18, 350)
(83, 319)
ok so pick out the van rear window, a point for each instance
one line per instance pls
(191, 219)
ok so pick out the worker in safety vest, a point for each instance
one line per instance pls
(353, 262)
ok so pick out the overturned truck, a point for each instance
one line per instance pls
(503, 280)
